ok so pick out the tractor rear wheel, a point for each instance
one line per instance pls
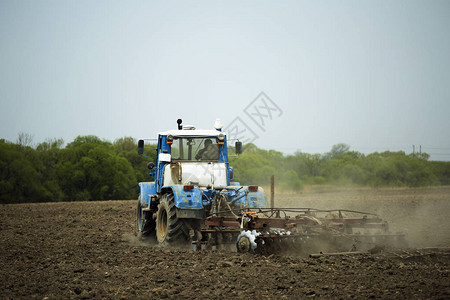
(170, 229)
(145, 225)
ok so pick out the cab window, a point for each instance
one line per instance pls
(195, 149)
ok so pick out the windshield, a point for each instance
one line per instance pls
(195, 149)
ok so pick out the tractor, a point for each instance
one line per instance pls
(192, 181)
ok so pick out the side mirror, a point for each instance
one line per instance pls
(141, 147)
(238, 146)
(150, 165)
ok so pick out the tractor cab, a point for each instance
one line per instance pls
(188, 156)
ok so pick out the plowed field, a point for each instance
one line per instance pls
(88, 250)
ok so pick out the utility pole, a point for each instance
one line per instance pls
(272, 192)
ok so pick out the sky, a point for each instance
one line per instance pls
(286, 75)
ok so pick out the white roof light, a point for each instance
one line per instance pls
(218, 124)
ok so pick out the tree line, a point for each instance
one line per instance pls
(340, 166)
(89, 168)
(86, 169)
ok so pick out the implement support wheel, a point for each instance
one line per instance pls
(243, 244)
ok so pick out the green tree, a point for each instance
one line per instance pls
(338, 149)
(97, 172)
(20, 176)
(289, 180)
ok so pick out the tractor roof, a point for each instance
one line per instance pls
(196, 132)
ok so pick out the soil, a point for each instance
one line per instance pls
(88, 250)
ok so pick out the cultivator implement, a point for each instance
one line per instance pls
(298, 230)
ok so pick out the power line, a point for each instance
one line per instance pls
(436, 148)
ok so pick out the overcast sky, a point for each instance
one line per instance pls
(372, 74)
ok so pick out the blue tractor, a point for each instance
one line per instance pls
(193, 182)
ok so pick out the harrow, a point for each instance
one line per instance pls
(296, 230)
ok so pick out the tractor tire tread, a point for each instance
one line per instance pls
(176, 231)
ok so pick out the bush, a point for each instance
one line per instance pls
(290, 181)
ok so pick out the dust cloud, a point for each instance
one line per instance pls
(132, 240)
(421, 214)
